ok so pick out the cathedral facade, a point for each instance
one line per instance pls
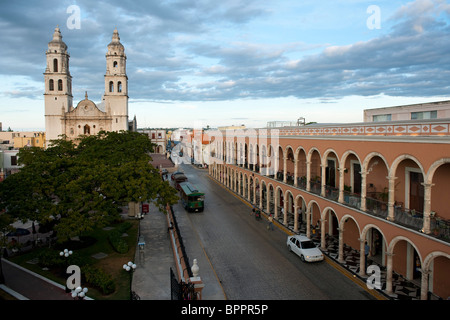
(87, 118)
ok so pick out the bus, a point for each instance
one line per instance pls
(192, 199)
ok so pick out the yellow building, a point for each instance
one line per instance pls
(31, 139)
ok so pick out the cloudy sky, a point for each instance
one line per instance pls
(232, 62)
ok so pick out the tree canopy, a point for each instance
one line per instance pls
(81, 186)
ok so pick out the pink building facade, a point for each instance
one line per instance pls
(385, 183)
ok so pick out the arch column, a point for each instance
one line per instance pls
(295, 217)
(341, 185)
(284, 166)
(308, 222)
(389, 263)
(295, 172)
(260, 194)
(427, 208)
(322, 234)
(362, 258)
(254, 190)
(276, 161)
(225, 175)
(275, 203)
(285, 210)
(424, 284)
(308, 175)
(363, 190)
(322, 180)
(341, 245)
(391, 201)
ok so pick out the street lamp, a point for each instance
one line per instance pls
(66, 253)
(80, 293)
(130, 267)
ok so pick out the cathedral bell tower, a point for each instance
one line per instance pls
(116, 84)
(58, 86)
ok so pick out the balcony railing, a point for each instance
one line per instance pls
(331, 193)
(376, 207)
(409, 218)
(352, 199)
(301, 183)
(441, 228)
(315, 187)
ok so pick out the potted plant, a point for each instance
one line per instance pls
(347, 190)
(384, 196)
(436, 231)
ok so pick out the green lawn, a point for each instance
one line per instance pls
(111, 264)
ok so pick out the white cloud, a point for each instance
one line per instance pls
(186, 52)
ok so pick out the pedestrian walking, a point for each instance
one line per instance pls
(257, 214)
(270, 225)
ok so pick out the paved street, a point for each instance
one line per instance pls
(249, 261)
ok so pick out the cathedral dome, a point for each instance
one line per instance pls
(86, 105)
(115, 42)
(57, 42)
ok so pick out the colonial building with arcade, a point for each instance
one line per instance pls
(344, 184)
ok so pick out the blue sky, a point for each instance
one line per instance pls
(232, 62)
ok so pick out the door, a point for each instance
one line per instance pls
(356, 178)
(416, 191)
(330, 173)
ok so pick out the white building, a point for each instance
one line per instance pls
(8, 163)
(158, 137)
(431, 110)
(87, 118)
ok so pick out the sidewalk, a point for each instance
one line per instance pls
(151, 280)
(24, 284)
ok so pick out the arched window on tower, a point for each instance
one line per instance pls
(55, 65)
(119, 86)
(87, 129)
(111, 86)
(51, 85)
(60, 86)
(115, 64)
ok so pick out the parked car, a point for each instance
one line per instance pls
(176, 173)
(304, 248)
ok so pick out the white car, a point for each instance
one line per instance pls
(304, 248)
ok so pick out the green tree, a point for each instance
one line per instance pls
(82, 186)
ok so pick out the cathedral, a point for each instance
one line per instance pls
(87, 118)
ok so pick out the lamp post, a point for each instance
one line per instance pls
(80, 293)
(130, 267)
(66, 253)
